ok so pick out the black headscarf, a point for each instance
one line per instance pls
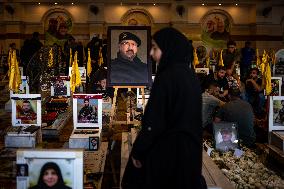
(55, 167)
(174, 46)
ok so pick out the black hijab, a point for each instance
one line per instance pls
(55, 167)
(175, 48)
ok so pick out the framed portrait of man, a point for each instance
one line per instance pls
(26, 109)
(94, 143)
(276, 113)
(60, 87)
(276, 85)
(51, 169)
(226, 136)
(87, 111)
(129, 62)
(22, 170)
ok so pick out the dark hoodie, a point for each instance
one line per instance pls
(60, 183)
(169, 144)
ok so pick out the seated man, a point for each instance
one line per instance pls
(241, 112)
(226, 143)
(220, 79)
(209, 105)
(87, 113)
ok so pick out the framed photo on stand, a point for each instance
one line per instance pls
(276, 85)
(26, 109)
(60, 87)
(276, 113)
(66, 164)
(94, 143)
(129, 67)
(226, 136)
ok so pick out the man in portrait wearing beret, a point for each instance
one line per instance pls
(227, 143)
(127, 68)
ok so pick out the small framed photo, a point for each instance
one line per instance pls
(129, 62)
(60, 87)
(226, 136)
(276, 84)
(24, 86)
(94, 143)
(276, 113)
(87, 111)
(26, 109)
(83, 73)
(66, 165)
(22, 170)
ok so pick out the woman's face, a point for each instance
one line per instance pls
(156, 52)
(50, 178)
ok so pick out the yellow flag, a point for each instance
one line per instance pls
(263, 63)
(207, 61)
(268, 87)
(101, 60)
(221, 63)
(15, 74)
(9, 61)
(257, 59)
(75, 79)
(89, 66)
(50, 58)
(195, 58)
(70, 58)
(273, 57)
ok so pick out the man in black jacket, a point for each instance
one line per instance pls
(127, 68)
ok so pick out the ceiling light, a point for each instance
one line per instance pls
(39, 3)
(72, 3)
(154, 4)
(203, 4)
(55, 3)
(236, 4)
(220, 4)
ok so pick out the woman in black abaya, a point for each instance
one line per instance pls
(168, 150)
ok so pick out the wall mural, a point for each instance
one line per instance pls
(137, 17)
(216, 28)
(58, 26)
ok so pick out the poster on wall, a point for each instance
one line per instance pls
(129, 62)
(58, 25)
(216, 28)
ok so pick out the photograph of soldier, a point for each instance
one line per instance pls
(60, 88)
(129, 67)
(226, 143)
(25, 112)
(89, 111)
(278, 112)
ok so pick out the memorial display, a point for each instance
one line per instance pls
(66, 164)
(60, 87)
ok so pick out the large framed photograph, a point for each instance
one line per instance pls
(50, 169)
(60, 87)
(26, 109)
(24, 86)
(276, 113)
(129, 62)
(226, 136)
(83, 73)
(87, 111)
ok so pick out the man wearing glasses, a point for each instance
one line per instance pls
(127, 67)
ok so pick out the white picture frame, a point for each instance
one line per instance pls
(24, 86)
(83, 73)
(226, 136)
(56, 84)
(69, 161)
(202, 71)
(26, 109)
(276, 84)
(93, 122)
(276, 113)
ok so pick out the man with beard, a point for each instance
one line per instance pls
(87, 113)
(127, 67)
(26, 113)
(219, 78)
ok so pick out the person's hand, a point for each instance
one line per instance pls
(136, 163)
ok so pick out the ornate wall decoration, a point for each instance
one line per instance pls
(137, 17)
(57, 26)
(216, 28)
